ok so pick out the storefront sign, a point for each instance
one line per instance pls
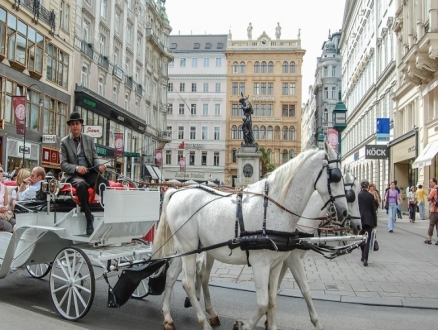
(19, 105)
(22, 148)
(94, 131)
(376, 152)
(191, 175)
(263, 98)
(50, 157)
(49, 139)
(382, 129)
(193, 146)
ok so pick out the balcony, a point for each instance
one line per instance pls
(164, 136)
(39, 12)
(104, 62)
(118, 72)
(128, 81)
(87, 49)
(139, 89)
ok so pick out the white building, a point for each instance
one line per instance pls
(368, 82)
(308, 130)
(196, 108)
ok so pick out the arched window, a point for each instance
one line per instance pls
(285, 131)
(255, 131)
(240, 135)
(269, 152)
(270, 133)
(233, 155)
(262, 132)
(292, 67)
(277, 133)
(285, 67)
(292, 133)
(235, 67)
(291, 154)
(256, 67)
(234, 132)
(263, 67)
(285, 156)
(100, 89)
(271, 67)
(242, 67)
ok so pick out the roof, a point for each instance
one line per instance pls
(198, 43)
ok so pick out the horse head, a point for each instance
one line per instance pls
(352, 189)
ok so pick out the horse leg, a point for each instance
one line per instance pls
(274, 277)
(205, 277)
(189, 271)
(296, 265)
(173, 271)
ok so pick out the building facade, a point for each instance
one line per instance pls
(121, 59)
(36, 61)
(196, 109)
(308, 130)
(368, 83)
(269, 71)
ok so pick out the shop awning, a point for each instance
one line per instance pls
(160, 176)
(426, 156)
(152, 173)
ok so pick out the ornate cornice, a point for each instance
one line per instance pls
(423, 62)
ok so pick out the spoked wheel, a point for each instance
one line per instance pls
(39, 270)
(142, 290)
(72, 283)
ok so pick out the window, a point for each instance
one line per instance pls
(206, 62)
(115, 95)
(196, 45)
(333, 92)
(234, 88)
(242, 67)
(100, 87)
(192, 158)
(270, 88)
(128, 34)
(285, 155)
(284, 67)
(292, 67)
(263, 132)
(116, 22)
(193, 87)
(325, 72)
(234, 132)
(333, 71)
(235, 67)
(182, 87)
(292, 133)
(217, 109)
(234, 109)
(138, 45)
(263, 67)
(256, 88)
(205, 88)
(269, 152)
(127, 102)
(205, 109)
(102, 44)
(270, 133)
(180, 132)
(33, 110)
(285, 110)
(217, 133)
(204, 133)
(255, 130)
(291, 154)
(263, 108)
(57, 66)
(204, 158)
(216, 158)
(263, 89)
(270, 110)
(292, 89)
(218, 62)
(284, 90)
(170, 108)
(218, 88)
(193, 109)
(233, 155)
(170, 87)
(257, 67)
(208, 45)
(103, 8)
(242, 88)
(168, 157)
(285, 133)
(55, 113)
(64, 16)
(326, 92)
(171, 64)
(192, 133)
(194, 62)
(182, 62)
(291, 110)
(256, 110)
(85, 29)
(181, 109)
(84, 75)
(271, 67)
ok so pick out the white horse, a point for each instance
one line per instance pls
(196, 217)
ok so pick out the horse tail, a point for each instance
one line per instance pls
(163, 242)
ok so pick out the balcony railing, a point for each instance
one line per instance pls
(139, 89)
(38, 11)
(104, 62)
(128, 81)
(118, 72)
(87, 49)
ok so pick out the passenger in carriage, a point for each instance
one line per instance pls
(7, 222)
(23, 174)
(29, 187)
(81, 165)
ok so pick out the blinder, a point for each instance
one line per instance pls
(335, 175)
(350, 195)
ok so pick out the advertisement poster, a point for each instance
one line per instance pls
(19, 105)
(118, 145)
(332, 138)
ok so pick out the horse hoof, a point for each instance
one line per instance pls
(237, 325)
(214, 321)
(266, 325)
(187, 303)
(168, 326)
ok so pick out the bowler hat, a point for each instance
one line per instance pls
(75, 116)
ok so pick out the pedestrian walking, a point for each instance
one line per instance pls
(398, 209)
(384, 196)
(433, 218)
(421, 198)
(368, 217)
(372, 190)
(393, 197)
(412, 204)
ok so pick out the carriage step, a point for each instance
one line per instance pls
(48, 228)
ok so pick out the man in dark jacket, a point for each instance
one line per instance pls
(368, 217)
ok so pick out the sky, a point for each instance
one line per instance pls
(314, 17)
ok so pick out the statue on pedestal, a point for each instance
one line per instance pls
(249, 30)
(247, 109)
(278, 31)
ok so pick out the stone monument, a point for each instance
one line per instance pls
(248, 156)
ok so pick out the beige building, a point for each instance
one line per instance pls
(269, 71)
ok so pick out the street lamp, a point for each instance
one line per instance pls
(40, 104)
(320, 140)
(339, 120)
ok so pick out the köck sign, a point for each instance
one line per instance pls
(376, 151)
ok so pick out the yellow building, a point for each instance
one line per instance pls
(269, 71)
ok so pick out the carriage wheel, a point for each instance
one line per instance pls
(142, 290)
(72, 283)
(38, 270)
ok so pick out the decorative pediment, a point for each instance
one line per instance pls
(424, 62)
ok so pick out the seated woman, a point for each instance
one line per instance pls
(7, 222)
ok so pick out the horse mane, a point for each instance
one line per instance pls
(285, 174)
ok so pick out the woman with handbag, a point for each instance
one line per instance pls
(7, 221)
(368, 217)
(412, 205)
(393, 200)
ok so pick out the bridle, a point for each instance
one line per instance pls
(350, 194)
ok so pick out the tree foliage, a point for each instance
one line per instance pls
(266, 165)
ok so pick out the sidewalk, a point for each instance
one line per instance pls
(403, 273)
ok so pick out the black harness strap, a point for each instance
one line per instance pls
(265, 206)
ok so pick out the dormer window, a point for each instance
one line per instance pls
(208, 45)
(196, 45)
(173, 45)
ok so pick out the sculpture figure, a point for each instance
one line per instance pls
(278, 31)
(249, 30)
(247, 109)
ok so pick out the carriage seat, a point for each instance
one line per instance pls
(67, 189)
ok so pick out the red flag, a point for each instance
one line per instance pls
(118, 145)
(19, 105)
(181, 146)
(158, 157)
(182, 164)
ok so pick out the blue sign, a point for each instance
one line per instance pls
(382, 129)
(356, 156)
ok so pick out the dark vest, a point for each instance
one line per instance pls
(82, 160)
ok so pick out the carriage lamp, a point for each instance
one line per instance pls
(320, 140)
(339, 119)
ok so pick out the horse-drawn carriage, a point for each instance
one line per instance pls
(50, 237)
